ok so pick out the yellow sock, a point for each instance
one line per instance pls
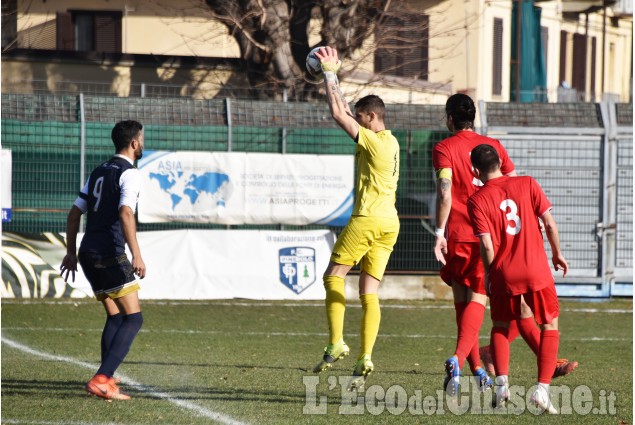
(335, 307)
(371, 316)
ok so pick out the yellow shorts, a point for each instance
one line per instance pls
(367, 241)
(119, 292)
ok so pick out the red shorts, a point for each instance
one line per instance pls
(543, 303)
(464, 266)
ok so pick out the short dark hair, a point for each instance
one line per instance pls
(462, 110)
(371, 103)
(485, 158)
(123, 132)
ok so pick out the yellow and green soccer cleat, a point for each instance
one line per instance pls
(363, 368)
(332, 353)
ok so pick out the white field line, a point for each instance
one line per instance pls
(212, 303)
(201, 411)
(290, 334)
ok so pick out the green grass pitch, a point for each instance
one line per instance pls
(249, 362)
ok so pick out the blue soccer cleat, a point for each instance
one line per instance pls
(482, 380)
(452, 381)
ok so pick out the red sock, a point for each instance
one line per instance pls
(530, 333)
(513, 331)
(499, 343)
(468, 330)
(548, 356)
(474, 357)
(459, 308)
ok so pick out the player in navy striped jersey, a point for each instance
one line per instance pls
(109, 198)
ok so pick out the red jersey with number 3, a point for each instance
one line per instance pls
(507, 208)
(454, 153)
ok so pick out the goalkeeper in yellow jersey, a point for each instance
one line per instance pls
(371, 233)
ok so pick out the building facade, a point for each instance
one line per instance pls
(569, 51)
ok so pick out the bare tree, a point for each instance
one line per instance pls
(273, 37)
(273, 34)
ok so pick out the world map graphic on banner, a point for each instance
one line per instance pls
(245, 188)
(190, 187)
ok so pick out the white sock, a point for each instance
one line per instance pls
(501, 380)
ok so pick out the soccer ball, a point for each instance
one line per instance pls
(314, 66)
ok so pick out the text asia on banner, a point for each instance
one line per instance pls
(246, 188)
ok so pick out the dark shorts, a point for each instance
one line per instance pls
(110, 277)
(464, 267)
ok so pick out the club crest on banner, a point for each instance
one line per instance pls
(297, 267)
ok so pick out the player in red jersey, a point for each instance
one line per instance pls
(456, 247)
(505, 216)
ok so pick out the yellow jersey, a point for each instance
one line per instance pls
(377, 158)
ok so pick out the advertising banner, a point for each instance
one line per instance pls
(183, 265)
(246, 188)
(5, 182)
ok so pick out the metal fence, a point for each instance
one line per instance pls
(577, 152)
(582, 156)
(45, 134)
(239, 90)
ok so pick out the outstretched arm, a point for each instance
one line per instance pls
(338, 105)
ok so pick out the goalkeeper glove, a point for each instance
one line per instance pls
(333, 67)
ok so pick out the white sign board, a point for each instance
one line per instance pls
(246, 188)
(5, 183)
(223, 264)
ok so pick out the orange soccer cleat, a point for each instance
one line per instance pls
(105, 387)
(564, 367)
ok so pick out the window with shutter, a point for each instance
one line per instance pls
(403, 46)
(87, 31)
(497, 58)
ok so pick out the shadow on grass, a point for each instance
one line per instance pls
(304, 368)
(72, 389)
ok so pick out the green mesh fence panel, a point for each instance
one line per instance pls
(44, 131)
(45, 172)
(327, 141)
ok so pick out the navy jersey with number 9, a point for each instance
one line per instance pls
(104, 235)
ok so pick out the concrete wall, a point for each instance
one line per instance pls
(404, 288)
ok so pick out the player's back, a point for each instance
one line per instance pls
(454, 153)
(508, 209)
(378, 174)
(103, 228)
